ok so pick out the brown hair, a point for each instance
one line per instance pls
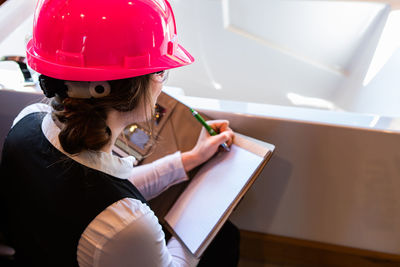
(84, 120)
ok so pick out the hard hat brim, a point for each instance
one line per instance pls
(179, 58)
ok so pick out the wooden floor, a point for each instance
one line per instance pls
(251, 263)
(263, 250)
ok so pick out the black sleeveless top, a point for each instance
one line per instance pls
(49, 198)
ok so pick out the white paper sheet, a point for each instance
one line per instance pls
(209, 194)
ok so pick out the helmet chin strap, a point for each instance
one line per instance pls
(87, 89)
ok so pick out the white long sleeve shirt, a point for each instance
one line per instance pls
(126, 233)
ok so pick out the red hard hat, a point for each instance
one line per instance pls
(87, 40)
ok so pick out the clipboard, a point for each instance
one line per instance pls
(214, 192)
(175, 115)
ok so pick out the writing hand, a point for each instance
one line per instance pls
(207, 145)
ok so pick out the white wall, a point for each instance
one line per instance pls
(307, 53)
(12, 14)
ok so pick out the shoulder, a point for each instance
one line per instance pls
(125, 231)
(37, 107)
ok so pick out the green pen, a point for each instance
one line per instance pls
(208, 127)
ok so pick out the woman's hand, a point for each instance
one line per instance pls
(207, 145)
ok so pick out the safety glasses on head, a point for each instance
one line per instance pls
(160, 76)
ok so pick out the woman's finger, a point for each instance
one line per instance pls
(224, 137)
(219, 125)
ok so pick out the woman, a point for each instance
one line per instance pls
(69, 200)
